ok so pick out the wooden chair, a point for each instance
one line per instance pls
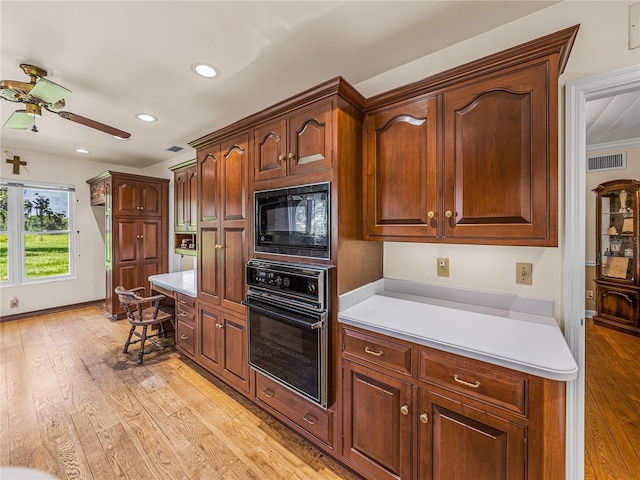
(142, 312)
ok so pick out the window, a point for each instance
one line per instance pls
(36, 225)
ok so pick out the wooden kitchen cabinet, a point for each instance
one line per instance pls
(222, 345)
(401, 170)
(456, 440)
(414, 412)
(294, 144)
(185, 311)
(185, 204)
(223, 222)
(618, 256)
(136, 232)
(469, 155)
(139, 198)
(377, 422)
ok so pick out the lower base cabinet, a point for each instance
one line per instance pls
(222, 345)
(434, 415)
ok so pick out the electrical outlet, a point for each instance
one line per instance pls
(14, 302)
(443, 266)
(524, 273)
(590, 294)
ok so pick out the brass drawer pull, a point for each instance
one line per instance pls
(310, 419)
(467, 384)
(373, 352)
(183, 302)
(268, 393)
(184, 314)
(184, 337)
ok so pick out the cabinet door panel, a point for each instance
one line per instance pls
(233, 271)
(496, 160)
(180, 189)
(269, 145)
(618, 304)
(151, 200)
(400, 178)
(126, 234)
(377, 435)
(126, 197)
(208, 191)
(209, 335)
(151, 239)
(129, 277)
(309, 146)
(458, 441)
(191, 209)
(236, 367)
(235, 164)
(208, 286)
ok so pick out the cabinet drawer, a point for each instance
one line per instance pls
(185, 337)
(184, 314)
(494, 385)
(393, 355)
(308, 416)
(185, 301)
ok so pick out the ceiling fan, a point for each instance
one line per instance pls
(40, 93)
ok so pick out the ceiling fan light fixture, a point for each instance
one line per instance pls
(145, 117)
(205, 70)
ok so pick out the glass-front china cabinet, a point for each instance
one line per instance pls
(617, 255)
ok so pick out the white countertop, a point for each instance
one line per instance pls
(514, 339)
(183, 282)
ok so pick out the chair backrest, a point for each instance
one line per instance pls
(131, 302)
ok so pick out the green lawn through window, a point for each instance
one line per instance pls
(46, 255)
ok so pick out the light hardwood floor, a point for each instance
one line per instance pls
(72, 404)
(612, 404)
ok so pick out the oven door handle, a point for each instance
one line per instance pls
(279, 314)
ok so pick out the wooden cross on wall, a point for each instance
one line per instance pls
(16, 164)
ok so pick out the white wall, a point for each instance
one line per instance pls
(89, 282)
(601, 46)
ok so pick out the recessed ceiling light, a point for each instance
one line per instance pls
(82, 150)
(205, 70)
(145, 117)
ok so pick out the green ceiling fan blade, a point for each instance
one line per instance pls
(48, 91)
(19, 120)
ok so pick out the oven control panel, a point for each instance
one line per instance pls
(301, 282)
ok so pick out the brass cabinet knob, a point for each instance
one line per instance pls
(280, 158)
(448, 214)
(219, 247)
(404, 409)
(431, 214)
(268, 393)
(291, 156)
(424, 418)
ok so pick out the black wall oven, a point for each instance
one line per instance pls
(294, 221)
(287, 325)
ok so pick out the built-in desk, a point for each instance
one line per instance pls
(181, 288)
(170, 283)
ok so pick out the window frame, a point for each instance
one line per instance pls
(16, 232)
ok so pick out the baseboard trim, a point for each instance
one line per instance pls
(18, 316)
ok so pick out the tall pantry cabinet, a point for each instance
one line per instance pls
(136, 231)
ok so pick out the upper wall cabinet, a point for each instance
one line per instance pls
(295, 144)
(469, 155)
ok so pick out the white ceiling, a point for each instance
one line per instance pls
(120, 58)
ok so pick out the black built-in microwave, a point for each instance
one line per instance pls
(294, 221)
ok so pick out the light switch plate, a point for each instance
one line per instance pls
(524, 272)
